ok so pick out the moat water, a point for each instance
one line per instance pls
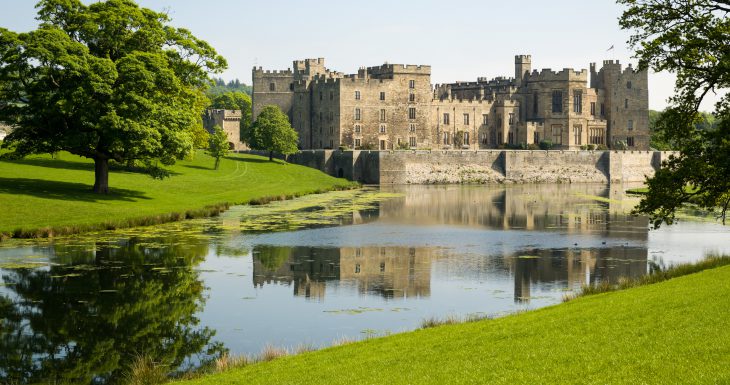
(80, 309)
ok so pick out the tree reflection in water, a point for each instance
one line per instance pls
(87, 319)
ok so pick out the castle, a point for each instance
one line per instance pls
(395, 106)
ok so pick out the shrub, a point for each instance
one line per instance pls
(546, 145)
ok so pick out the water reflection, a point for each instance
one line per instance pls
(87, 316)
(178, 292)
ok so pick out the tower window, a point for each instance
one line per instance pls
(631, 125)
(466, 119)
(358, 114)
(446, 118)
(628, 84)
(382, 115)
(382, 95)
(357, 95)
(412, 97)
(593, 108)
(411, 84)
(485, 119)
(577, 102)
(557, 101)
(272, 86)
(412, 113)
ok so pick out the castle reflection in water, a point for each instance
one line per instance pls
(572, 211)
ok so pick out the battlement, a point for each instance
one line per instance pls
(318, 61)
(258, 71)
(523, 59)
(224, 114)
(567, 74)
(472, 101)
(393, 69)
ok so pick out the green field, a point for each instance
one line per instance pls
(40, 195)
(677, 331)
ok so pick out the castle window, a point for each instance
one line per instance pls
(630, 141)
(485, 119)
(412, 141)
(357, 128)
(484, 138)
(382, 128)
(536, 137)
(332, 95)
(382, 144)
(466, 119)
(466, 138)
(510, 137)
(412, 113)
(412, 127)
(412, 97)
(358, 114)
(631, 125)
(411, 84)
(272, 86)
(626, 103)
(446, 118)
(357, 142)
(593, 108)
(332, 144)
(534, 104)
(331, 116)
(382, 115)
(511, 118)
(557, 131)
(557, 102)
(357, 95)
(332, 130)
(628, 85)
(291, 86)
(446, 138)
(382, 95)
(603, 109)
(320, 95)
(357, 268)
(577, 102)
(577, 134)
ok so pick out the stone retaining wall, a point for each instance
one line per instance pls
(484, 166)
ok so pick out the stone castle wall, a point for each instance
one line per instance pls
(483, 166)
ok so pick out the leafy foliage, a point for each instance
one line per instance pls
(692, 39)
(272, 132)
(105, 81)
(218, 145)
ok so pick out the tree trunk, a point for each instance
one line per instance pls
(217, 162)
(271, 156)
(101, 175)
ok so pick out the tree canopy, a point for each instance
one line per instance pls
(107, 81)
(692, 39)
(272, 132)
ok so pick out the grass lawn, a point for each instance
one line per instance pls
(42, 193)
(677, 331)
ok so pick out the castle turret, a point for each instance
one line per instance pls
(523, 66)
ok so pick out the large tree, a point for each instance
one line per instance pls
(690, 38)
(272, 132)
(105, 81)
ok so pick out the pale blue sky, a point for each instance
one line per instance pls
(460, 39)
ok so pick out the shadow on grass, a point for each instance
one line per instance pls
(84, 166)
(66, 191)
(211, 168)
(256, 160)
(55, 163)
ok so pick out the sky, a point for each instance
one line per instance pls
(460, 39)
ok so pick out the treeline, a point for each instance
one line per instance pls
(220, 86)
(704, 121)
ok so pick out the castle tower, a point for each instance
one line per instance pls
(523, 66)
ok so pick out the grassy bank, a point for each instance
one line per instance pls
(676, 331)
(40, 196)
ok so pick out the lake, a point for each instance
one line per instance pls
(344, 265)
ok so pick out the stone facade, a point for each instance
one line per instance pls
(395, 106)
(230, 122)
